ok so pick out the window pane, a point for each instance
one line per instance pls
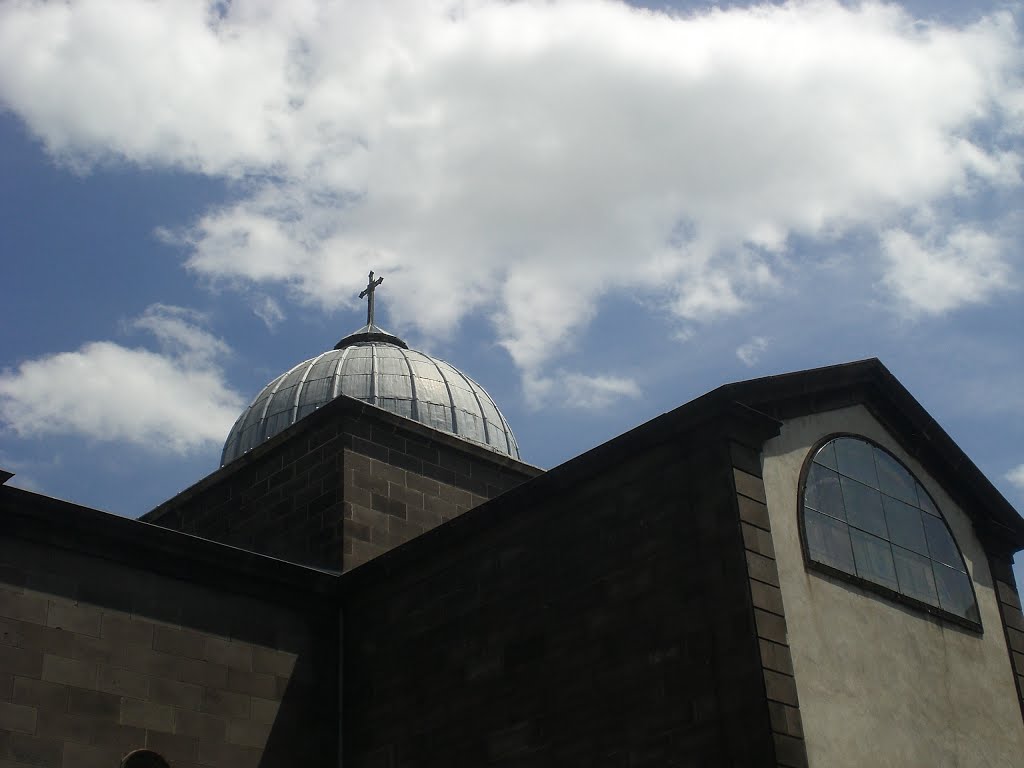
(926, 501)
(828, 541)
(866, 514)
(826, 455)
(893, 479)
(855, 459)
(874, 559)
(915, 575)
(940, 543)
(823, 492)
(955, 592)
(864, 507)
(905, 526)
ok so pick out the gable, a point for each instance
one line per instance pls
(869, 384)
(934, 689)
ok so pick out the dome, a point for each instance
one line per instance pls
(378, 368)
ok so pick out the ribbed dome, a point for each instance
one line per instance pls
(378, 368)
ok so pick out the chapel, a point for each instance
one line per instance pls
(798, 570)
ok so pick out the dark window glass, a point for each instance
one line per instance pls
(823, 492)
(955, 592)
(866, 515)
(143, 758)
(904, 523)
(874, 559)
(826, 456)
(940, 544)
(863, 507)
(915, 575)
(856, 459)
(893, 479)
(829, 541)
(926, 502)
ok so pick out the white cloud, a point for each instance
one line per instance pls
(684, 334)
(176, 400)
(1016, 476)
(750, 352)
(180, 335)
(268, 310)
(933, 276)
(526, 159)
(577, 390)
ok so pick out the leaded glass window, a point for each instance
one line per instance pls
(866, 516)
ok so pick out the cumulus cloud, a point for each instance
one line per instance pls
(750, 352)
(179, 333)
(577, 390)
(526, 159)
(1016, 476)
(931, 277)
(173, 400)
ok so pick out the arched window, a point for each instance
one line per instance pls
(143, 758)
(866, 518)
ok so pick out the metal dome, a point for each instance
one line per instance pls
(377, 368)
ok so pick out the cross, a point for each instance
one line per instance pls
(371, 286)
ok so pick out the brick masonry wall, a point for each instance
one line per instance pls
(607, 625)
(310, 496)
(769, 612)
(97, 659)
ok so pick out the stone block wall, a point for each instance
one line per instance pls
(283, 500)
(769, 611)
(400, 483)
(318, 493)
(600, 621)
(1013, 618)
(98, 659)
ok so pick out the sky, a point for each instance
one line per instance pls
(598, 211)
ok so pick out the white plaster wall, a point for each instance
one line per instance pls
(881, 684)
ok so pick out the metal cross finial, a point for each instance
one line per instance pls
(371, 286)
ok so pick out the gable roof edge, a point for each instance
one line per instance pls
(871, 384)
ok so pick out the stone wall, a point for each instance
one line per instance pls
(1012, 617)
(318, 493)
(598, 618)
(399, 483)
(98, 658)
(769, 610)
(282, 500)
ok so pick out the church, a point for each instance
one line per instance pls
(799, 570)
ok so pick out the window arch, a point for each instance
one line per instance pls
(866, 518)
(143, 758)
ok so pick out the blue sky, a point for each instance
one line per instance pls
(597, 211)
